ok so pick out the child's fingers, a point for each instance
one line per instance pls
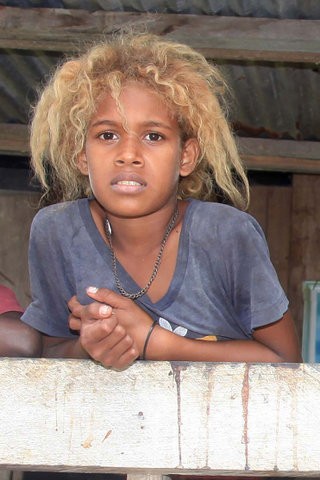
(126, 359)
(93, 311)
(108, 343)
(121, 355)
(109, 297)
(74, 305)
(106, 330)
(74, 322)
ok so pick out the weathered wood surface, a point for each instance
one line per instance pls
(16, 213)
(5, 475)
(215, 36)
(14, 139)
(160, 417)
(271, 206)
(280, 155)
(305, 235)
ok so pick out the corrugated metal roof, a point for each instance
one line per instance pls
(21, 73)
(275, 101)
(271, 100)
(294, 9)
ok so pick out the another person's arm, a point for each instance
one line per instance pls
(16, 338)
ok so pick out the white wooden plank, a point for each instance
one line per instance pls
(137, 476)
(160, 417)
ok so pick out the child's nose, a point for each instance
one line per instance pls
(129, 152)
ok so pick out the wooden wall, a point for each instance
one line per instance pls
(289, 215)
(16, 212)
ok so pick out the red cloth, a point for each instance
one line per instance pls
(8, 301)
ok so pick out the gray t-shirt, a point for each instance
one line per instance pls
(224, 284)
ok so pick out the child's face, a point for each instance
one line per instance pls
(134, 159)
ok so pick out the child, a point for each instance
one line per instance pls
(133, 137)
(16, 338)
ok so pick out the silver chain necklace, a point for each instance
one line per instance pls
(154, 273)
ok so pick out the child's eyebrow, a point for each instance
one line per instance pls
(156, 124)
(147, 124)
(105, 122)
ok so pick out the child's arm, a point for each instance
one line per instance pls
(276, 342)
(18, 339)
(101, 337)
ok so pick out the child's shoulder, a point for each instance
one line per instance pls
(222, 218)
(218, 213)
(59, 215)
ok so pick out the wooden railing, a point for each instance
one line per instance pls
(160, 418)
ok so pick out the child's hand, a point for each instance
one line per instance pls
(130, 316)
(101, 334)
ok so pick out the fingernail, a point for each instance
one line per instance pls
(92, 289)
(104, 309)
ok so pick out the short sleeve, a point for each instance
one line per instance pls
(8, 301)
(256, 293)
(50, 277)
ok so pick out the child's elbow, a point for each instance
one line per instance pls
(30, 344)
(291, 357)
(18, 339)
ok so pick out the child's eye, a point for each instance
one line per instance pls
(154, 137)
(108, 136)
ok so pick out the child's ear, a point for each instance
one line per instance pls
(189, 156)
(82, 163)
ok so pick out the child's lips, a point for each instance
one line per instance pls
(128, 183)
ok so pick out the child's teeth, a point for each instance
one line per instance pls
(128, 182)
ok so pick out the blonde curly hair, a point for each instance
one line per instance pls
(192, 87)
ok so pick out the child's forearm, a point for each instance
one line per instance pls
(54, 347)
(108, 351)
(165, 345)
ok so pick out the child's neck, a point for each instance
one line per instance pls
(138, 236)
(136, 244)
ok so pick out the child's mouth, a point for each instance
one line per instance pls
(132, 184)
(129, 182)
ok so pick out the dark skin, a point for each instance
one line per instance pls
(113, 329)
(115, 337)
(134, 174)
(276, 342)
(18, 339)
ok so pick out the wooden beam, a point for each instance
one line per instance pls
(160, 418)
(238, 38)
(14, 139)
(257, 153)
(280, 155)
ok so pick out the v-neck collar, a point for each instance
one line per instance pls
(104, 251)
